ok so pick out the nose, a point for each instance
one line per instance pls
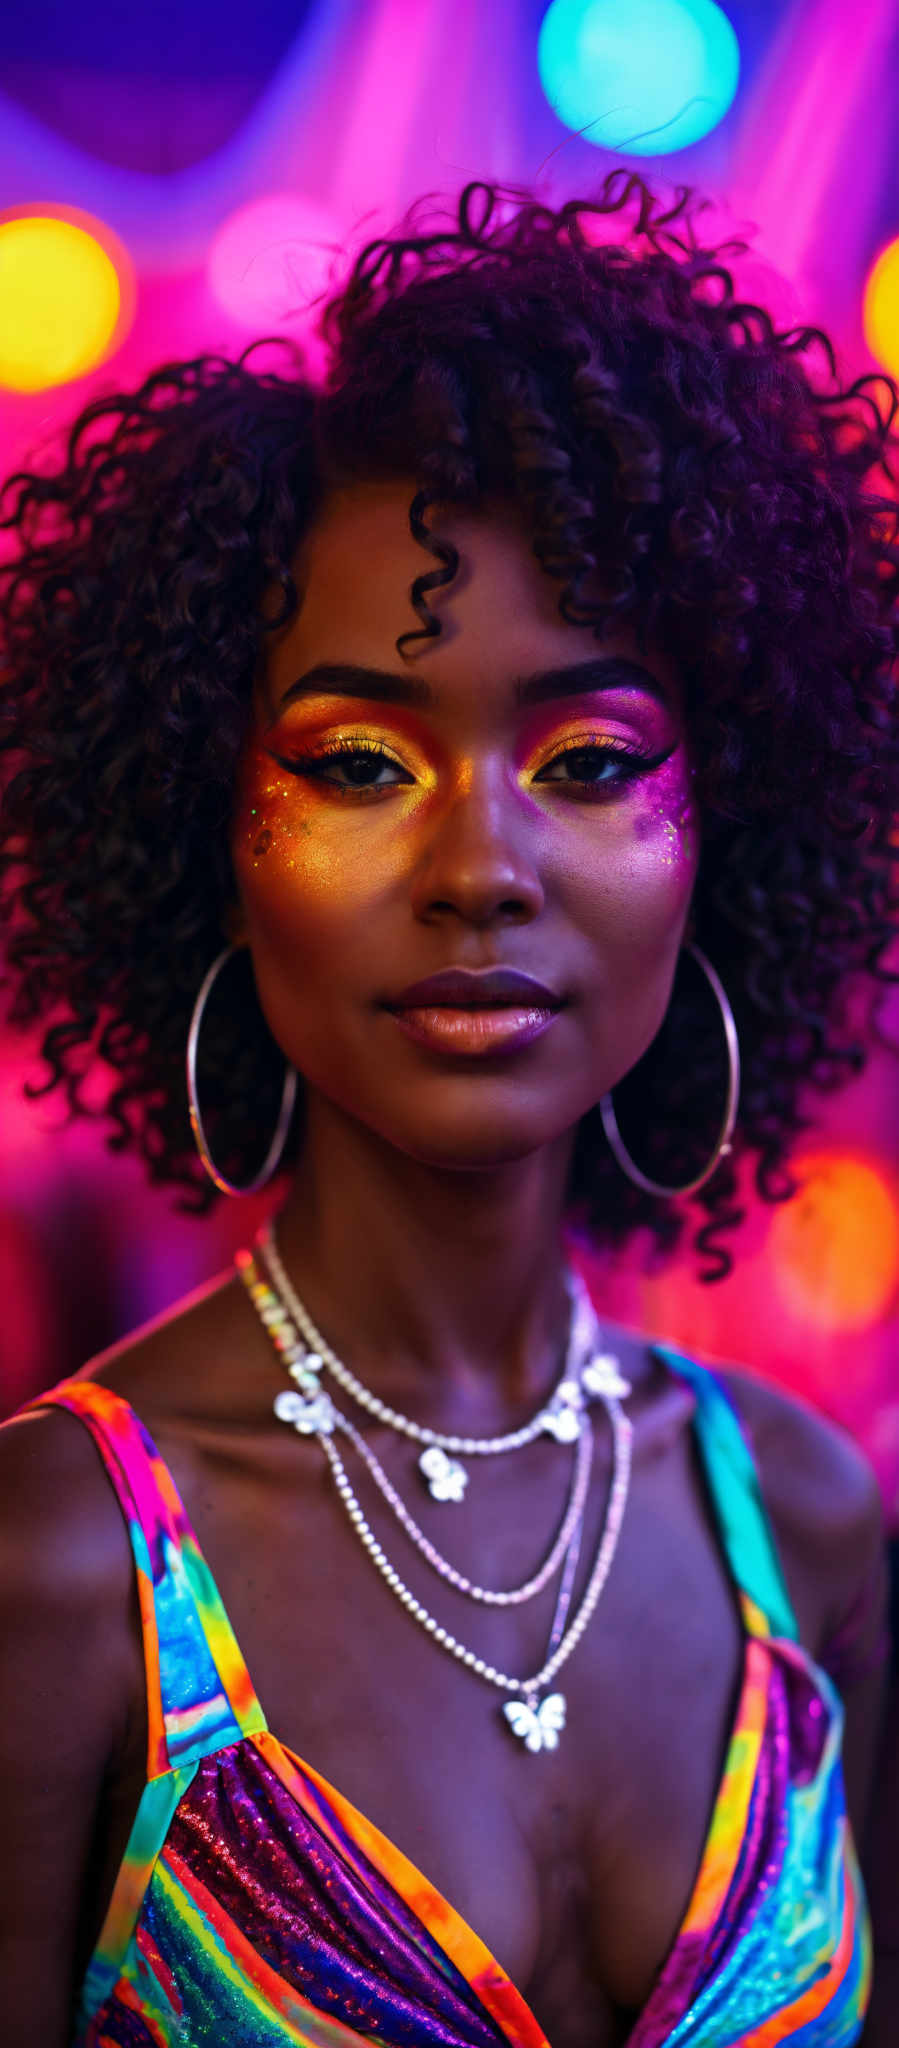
(479, 863)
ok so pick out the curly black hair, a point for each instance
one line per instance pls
(596, 363)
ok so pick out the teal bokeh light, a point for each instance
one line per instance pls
(641, 76)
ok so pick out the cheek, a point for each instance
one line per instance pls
(258, 825)
(637, 910)
(639, 874)
(294, 874)
(666, 831)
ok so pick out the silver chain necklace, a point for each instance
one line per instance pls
(596, 1376)
(310, 1410)
(487, 1596)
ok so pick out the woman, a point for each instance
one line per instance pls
(545, 649)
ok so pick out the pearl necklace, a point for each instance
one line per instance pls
(558, 1417)
(311, 1411)
(487, 1596)
(602, 1565)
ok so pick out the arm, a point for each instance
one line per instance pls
(882, 1869)
(856, 1658)
(825, 1509)
(826, 1512)
(66, 1701)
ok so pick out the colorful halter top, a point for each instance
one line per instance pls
(255, 1905)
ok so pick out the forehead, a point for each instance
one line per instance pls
(499, 616)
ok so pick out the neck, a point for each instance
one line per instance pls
(434, 1285)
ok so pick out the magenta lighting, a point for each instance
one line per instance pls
(271, 259)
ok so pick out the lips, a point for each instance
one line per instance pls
(492, 988)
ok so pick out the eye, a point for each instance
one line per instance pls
(350, 765)
(598, 765)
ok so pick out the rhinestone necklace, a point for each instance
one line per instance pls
(311, 1409)
(559, 1417)
(487, 1596)
(535, 1721)
(602, 1565)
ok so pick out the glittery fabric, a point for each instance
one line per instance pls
(255, 1905)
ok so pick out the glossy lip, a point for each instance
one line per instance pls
(465, 988)
(478, 1029)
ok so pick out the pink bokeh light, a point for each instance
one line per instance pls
(271, 260)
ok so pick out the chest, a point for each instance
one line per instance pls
(574, 1866)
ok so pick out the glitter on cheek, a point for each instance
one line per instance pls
(668, 823)
(679, 837)
(268, 812)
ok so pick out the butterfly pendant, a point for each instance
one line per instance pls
(537, 1727)
(602, 1377)
(562, 1418)
(311, 1417)
(446, 1478)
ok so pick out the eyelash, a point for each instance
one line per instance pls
(631, 761)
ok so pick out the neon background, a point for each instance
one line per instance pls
(225, 159)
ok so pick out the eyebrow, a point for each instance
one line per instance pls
(571, 679)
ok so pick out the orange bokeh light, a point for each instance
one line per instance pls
(66, 296)
(835, 1247)
(881, 308)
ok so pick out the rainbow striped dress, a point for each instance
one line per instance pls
(255, 1906)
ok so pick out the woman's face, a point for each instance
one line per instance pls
(516, 795)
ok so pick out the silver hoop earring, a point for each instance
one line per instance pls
(288, 1098)
(723, 1145)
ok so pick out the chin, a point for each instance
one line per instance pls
(478, 1143)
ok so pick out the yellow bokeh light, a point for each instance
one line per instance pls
(835, 1246)
(881, 308)
(60, 301)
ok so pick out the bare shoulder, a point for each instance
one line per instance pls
(63, 1542)
(71, 1702)
(67, 1597)
(813, 1472)
(191, 1365)
(65, 1550)
(819, 1489)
